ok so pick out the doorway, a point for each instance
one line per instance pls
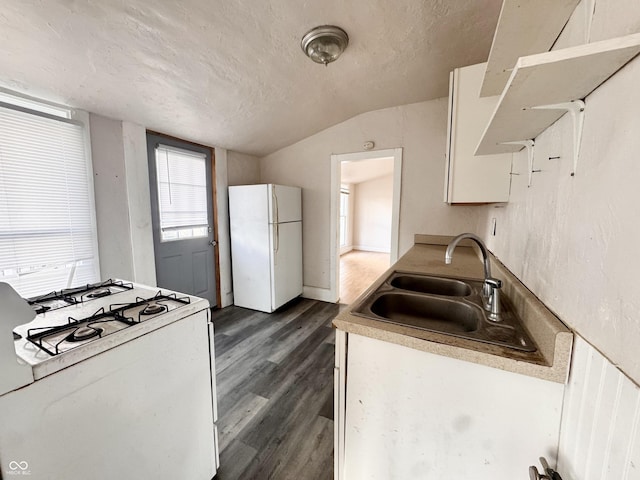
(365, 206)
(183, 214)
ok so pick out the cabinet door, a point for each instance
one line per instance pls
(339, 403)
(470, 178)
(413, 415)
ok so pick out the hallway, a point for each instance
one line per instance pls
(358, 269)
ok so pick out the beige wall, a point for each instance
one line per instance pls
(242, 169)
(573, 240)
(420, 129)
(373, 201)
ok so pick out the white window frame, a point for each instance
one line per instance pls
(183, 231)
(46, 109)
(344, 215)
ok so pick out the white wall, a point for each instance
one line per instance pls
(112, 210)
(420, 129)
(224, 240)
(574, 240)
(600, 434)
(137, 173)
(373, 202)
(242, 169)
(123, 211)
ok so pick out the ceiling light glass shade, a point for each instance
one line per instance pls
(324, 44)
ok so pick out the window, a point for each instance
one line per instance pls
(47, 222)
(344, 215)
(182, 193)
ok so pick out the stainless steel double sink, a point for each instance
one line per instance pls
(450, 306)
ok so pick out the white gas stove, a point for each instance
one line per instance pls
(75, 324)
(142, 357)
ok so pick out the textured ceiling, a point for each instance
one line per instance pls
(231, 73)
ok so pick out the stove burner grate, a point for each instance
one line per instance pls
(99, 293)
(71, 296)
(78, 330)
(150, 306)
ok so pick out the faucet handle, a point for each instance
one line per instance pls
(493, 285)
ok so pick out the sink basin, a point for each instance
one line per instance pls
(433, 285)
(450, 306)
(438, 314)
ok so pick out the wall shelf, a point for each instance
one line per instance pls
(524, 28)
(550, 78)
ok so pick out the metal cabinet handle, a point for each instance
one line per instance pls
(551, 474)
(534, 474)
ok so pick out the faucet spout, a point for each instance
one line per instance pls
(491, 287)
(448, 256)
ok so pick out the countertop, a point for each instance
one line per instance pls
(554, 340)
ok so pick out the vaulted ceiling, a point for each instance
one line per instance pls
(231, 73)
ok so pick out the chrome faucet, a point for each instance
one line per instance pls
(491, 286)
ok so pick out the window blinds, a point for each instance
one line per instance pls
(47, 229)
(182, 193)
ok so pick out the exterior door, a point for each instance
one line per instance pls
(182, 214)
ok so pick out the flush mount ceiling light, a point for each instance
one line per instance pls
(324, 44)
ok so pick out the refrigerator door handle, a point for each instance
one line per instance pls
(276, 218)
(276, 239)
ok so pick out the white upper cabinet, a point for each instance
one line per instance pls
(470, 178)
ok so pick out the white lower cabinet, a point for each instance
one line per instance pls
(406, 414)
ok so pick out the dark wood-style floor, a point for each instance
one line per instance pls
(275, 392)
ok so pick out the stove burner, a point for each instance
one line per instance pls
(102, 292)
(153, 308)
(84, 333)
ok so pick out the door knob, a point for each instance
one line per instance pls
(213, 243)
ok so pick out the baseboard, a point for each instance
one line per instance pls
(317, 293)
(366, 248)
(347, 249)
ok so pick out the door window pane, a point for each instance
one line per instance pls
(182, 193)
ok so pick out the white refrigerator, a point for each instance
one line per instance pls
(266, 245)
